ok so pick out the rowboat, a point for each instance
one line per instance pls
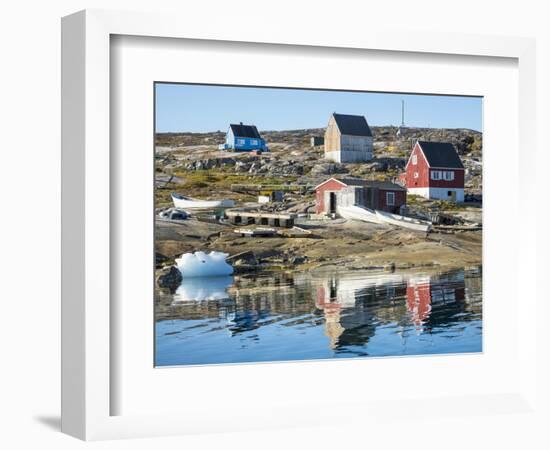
(404, 221)
(182, 202)
(359, 213)
(381, 217)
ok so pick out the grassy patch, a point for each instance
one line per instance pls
(413, 199)
(444, 205)
(224, 179)
(214, 183)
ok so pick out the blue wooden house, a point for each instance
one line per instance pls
(241, 137)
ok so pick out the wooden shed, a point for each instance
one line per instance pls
(348, 139)
(381, 195)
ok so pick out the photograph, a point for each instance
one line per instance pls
(299, 224)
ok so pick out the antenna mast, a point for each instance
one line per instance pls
(403, 113)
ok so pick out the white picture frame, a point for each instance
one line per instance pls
(88, 387)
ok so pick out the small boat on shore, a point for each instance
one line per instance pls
(182, 202)
(381, 217)
(404, 221)
(359, 213)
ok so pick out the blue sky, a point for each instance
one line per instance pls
(201, 108)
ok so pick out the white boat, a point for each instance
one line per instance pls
(182, 202)
(358, 213)
(404, 221)
(381, 217)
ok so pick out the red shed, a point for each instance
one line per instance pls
(435, 171)
(381, 195)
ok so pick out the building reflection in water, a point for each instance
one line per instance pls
(350, 304)
(350, 307)
(427, 293)
(354, 308)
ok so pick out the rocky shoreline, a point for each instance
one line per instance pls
(192, 164)
(336, 246)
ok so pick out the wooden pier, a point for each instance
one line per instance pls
(244, 217)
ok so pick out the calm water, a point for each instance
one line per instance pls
(282, 317)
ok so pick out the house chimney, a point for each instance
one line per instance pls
(240, 123)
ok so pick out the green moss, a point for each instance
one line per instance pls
(444, 205)
(214, 182)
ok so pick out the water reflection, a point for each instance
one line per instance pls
(347, 306)
(285, 316)
(201, 289)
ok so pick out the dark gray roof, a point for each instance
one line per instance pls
(371, 183)
(352, 125)
(248, 131)
(441, 154)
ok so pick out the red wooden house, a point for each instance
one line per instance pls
(381, 195)
(435, 171)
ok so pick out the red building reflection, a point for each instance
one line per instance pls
(425, 293)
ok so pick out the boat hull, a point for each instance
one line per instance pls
(359, 213)
(403, 221)
(380, 217)
(189, 203)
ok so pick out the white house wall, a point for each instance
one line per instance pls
(230, 139)
(442, 193)
(346, 197)
(333, 156)
(438, 193)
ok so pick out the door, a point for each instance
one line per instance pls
(453, 195)
(332, 203)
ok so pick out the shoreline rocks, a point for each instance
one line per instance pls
(169, 278)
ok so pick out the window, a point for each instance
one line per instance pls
(448, 175)
(436, 175)
(414, 159)
(253, 142)
(416, 174)
(240, 141)
(390, 198)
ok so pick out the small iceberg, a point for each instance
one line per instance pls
(201, 264)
